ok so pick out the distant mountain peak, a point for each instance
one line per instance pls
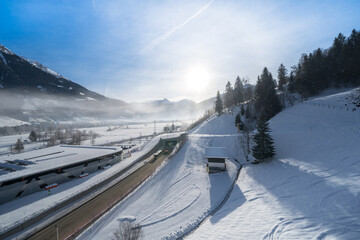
(44, 68)
(5, 50)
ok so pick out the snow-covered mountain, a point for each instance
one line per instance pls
(31, 92)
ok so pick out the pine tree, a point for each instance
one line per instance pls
(292, 83)
(33, 136)
(218, 104)
(264, 148)
(229, 95)
(238, 123)
(247, 112)
(18, 146)
(242, 110)
(238, 91)
(266, 100)
(282, 77)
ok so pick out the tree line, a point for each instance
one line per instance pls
(261, 103)
(261, 100)
(52, 137)
(336, 66)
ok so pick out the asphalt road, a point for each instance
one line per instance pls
(83, 215)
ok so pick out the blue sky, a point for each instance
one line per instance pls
(142, 50)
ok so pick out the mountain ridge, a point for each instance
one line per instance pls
(31, 92)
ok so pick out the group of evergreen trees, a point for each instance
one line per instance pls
(333, 67)
(266, 103)
(336, 66)
(241, 92)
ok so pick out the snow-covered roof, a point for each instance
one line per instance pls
(216, 152)
(52, 158)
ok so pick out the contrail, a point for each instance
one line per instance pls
(94, 5)
(174, 29)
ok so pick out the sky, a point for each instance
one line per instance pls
(145, 50)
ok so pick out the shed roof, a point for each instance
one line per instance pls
(216, 152)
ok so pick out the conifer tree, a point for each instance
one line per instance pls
(238, 123)
(229, 95)
(282, 77)
(264, 148)
(218, 104)
(247, 112)
(266, 100)
(242, 110)
(18, 146)
(238, 91)
(33, 136)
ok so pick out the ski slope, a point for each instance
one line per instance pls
(181, 193)
(310, 190)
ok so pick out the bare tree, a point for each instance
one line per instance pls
(245, 139)
(11, 148)
(51, 141)
(127, 230)
(76, 138)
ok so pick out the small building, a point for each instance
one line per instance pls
(216, 159)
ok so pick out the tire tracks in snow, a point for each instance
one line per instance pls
(168, 205)
(216, 209)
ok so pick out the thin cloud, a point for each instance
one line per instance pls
(158, 40)
(94, 5)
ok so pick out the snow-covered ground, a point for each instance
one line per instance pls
(127, 131)
(118, 133)
(7, 141)
(182, 193)
(10, 122)
(310, 190)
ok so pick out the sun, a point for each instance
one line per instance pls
(197, 78)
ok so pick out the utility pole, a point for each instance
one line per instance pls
(154, 126)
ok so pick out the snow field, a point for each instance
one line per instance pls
(310, 190)
(181, 193)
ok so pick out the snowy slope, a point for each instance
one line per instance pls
(310, 190)
(182, 193)
(10, 122)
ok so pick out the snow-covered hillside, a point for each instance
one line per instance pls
(310, 190)
(182, 193)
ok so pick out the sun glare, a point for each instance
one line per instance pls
(197, 78)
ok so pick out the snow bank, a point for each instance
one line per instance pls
(310, 190)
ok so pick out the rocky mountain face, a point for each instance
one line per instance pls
(31, 92)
